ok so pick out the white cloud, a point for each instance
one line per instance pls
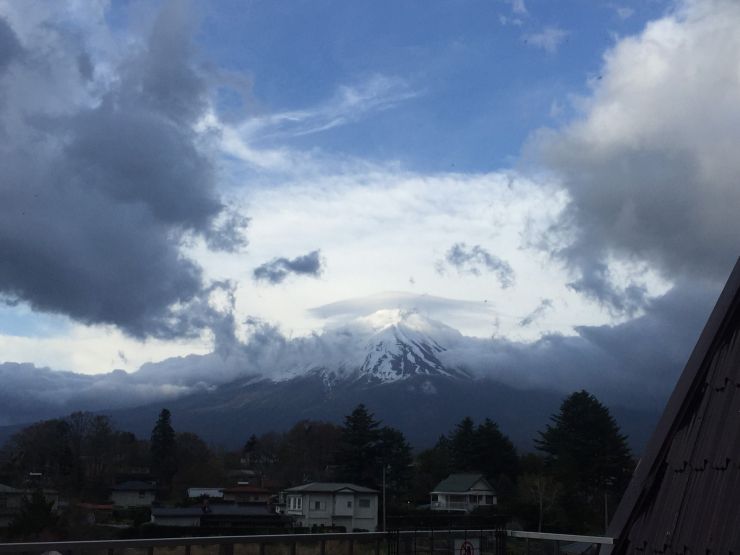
(651, 165)
(549, 39)
(349, 104)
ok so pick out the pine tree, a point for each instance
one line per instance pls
(358, 454)
(495, 453)
(463, 446)
(586, 451)
(162, 449)
(394, 453)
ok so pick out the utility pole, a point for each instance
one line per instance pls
(384, 528)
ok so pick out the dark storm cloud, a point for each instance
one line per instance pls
(650, 165)
(96, 202)
(9, 45)
(475, 260)
(276, 270)
(635, 363)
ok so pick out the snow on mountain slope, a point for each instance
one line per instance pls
(393, 345)
(406, 344)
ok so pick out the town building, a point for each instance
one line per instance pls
(133, 493)
(11, 500)
(212, 493)
(217, 515)
(332, 504)
(246, 493)
(462, 492)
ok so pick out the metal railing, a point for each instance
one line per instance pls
(405, 542)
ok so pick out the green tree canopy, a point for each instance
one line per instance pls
(163, 449)
(584, 445)
(586, 452)
(357, 457)
(483, 448)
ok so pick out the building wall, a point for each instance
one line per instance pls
(342, 509)
(176, 521)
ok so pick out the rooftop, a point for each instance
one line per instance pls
(331, 487)
(461, 482)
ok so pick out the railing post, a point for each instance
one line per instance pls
(322, 549)
(293, 547)
(350, 547)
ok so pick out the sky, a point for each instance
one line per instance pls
(189, 190)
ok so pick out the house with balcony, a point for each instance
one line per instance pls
(332, 504)
(462, 492)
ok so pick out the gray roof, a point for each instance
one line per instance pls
(460, 482)
(330, 487)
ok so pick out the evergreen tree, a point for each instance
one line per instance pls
(585, 451)
(463, 446)
(162, 449)
(495, 454)
(394, 453)
(432, 466)
(358, 454)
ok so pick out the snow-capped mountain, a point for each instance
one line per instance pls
(393, 345)
(408, 346)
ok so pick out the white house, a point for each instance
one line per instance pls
(133, 494)
(462, 492)
(332, 504)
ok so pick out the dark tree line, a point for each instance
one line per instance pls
(581, 466)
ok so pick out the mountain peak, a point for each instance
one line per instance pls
(405, 344)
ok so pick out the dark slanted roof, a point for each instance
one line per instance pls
(9, 490)
(461, 483)
(685, 494)
(213, 510)
(135, 485)
(329, 487)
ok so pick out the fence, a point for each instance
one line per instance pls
(406, 542)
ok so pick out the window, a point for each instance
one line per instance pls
(295, 503)
(364, 503)
(318, 505)
(349, 504)
(142, 494)
(435, 497)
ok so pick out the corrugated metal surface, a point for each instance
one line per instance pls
(685, 495)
